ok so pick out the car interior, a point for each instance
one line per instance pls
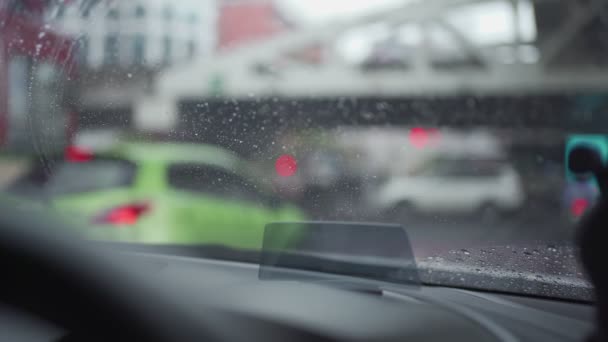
(56, 288)
(304, 170)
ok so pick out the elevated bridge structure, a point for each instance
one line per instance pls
(555, 81)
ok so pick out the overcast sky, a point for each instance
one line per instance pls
(491, 22)
(319, 11)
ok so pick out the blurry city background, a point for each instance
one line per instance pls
(451, 117)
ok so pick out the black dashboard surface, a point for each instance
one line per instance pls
(392, 313)
(334, 311)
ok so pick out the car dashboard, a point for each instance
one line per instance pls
(337, 311)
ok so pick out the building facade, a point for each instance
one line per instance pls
(147, 33)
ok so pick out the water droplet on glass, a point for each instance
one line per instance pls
(367, 115)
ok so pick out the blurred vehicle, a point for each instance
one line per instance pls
(386, 56)
(318, 171)
(165, 193)
(488, 187)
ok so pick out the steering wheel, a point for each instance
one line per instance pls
(82, 289)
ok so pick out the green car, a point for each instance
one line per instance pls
(160, 193)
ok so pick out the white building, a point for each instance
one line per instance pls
(152, 33)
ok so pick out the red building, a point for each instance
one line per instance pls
(242, 21)
(35, 64)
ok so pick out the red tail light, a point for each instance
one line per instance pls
(579, 206)
(422, 137)
(123, 215)
(78, 154)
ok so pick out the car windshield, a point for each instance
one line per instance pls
(197, 123)
(98, 175)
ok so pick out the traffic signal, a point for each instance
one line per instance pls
(586, 155)
(595, 142)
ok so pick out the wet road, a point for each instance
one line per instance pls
(440, 233)
(432, 236)
(534, 223)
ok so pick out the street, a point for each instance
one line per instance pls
(431, 237)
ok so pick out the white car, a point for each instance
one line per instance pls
(459, 186)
